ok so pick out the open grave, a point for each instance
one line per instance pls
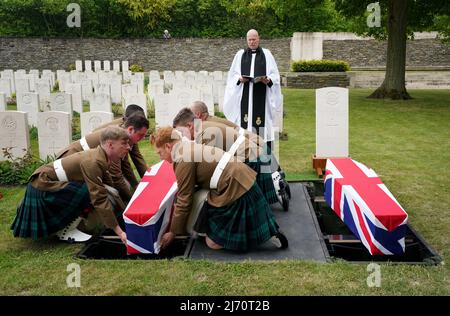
(312, 228)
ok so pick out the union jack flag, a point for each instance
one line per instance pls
(366, 206)
(149, 212)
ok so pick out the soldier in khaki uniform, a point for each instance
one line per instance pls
(136, 125)
(135, 153)
(228, 139)
(57, 193)
(238, 218)
(200, 111)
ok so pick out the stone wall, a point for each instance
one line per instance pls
(201, 54)
(152, 54)
(372, 53)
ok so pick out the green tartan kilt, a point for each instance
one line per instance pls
(264, 180)
(42, 213)
(243, 224)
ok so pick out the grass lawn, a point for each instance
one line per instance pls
(406, 142)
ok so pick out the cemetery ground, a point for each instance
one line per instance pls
(406, 142)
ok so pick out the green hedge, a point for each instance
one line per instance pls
(319, 66)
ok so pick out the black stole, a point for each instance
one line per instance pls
(259, 89)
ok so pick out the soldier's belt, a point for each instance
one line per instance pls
(59, 170)
(84, 144)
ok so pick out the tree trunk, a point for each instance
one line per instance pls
(393, 85)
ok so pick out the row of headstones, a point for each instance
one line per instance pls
(54, 127)
(178, 89)
(98, 65)
(109, 89)
(54, 130)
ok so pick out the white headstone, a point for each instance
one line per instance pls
(106, 65)
(138, 99)
(64, 79)
(42, 88)
(97, 65)
(332, 122)
(208, 99)
(125, 66)
(22, 85)
(61, 102)
(92, 120)
(86, 89)
(162, 115)
(278, 122)
(93, 76)
(9, 74)
(220, 95)
(155, 88)
(184, 97)
(102, 88)
(126, 75)
(179, 74)
(128, 90)
(78, 77)
(100, 102)
(154, 75)
(217, 75)
(77, 100)
(138, 79)
(116, 65)
(14, 132)
(78, 65)
(5, 87)
(87, 65)
(29, 102)
(2, 102)
(54, 132)
(50, 76)
(116, 89)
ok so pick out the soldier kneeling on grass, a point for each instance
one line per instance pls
(59, 192)
(237, 215)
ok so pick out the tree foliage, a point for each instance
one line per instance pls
(184, 18)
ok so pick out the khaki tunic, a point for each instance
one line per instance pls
(119, 170)
(251, 136)
(237, 178)
(90, 167)
(222, 136)
(135, 153)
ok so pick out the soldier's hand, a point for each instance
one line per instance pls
(167, 239)
(123, 237)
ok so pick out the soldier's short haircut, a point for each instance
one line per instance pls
(199, 106)
(165, 135)
(113, 133)
(137, 120)
(183, 117)
(133, 108)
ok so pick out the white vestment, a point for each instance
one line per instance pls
(233, 94)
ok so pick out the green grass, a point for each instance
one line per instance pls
(406, 142)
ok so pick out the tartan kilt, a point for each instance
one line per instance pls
(264, 180)
(243, 224)
(42, 213)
